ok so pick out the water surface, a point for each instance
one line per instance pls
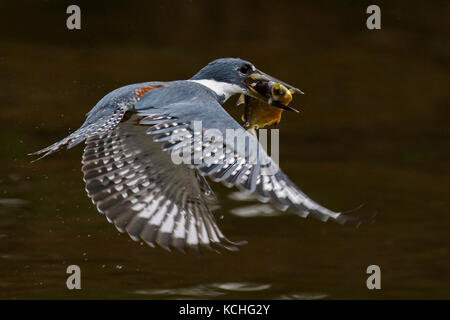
(373, 130)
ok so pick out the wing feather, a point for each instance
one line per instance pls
(135, 184)
(247, 166)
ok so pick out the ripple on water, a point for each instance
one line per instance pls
(241, 286)
(194, 291)
(13, 203)
(257, 210)
(6, 256)
(205, 290)
(242, 196)
(302, 296)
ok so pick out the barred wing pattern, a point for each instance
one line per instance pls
(222, 162)
(142, 192)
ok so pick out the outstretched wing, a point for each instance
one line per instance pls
(238, 161)
(139, 189)
(135, 184)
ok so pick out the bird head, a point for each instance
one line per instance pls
(228, 76)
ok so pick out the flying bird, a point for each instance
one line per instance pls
(134, 134)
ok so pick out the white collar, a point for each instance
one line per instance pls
(222, 89)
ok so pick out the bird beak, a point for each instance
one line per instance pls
(270, 90)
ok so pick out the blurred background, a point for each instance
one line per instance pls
(373, 130)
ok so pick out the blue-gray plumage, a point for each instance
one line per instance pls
(133, 135)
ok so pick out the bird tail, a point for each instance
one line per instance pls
(92, 127)
(70, 141)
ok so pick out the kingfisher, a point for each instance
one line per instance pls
(134, 134)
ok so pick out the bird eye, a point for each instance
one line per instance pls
(245, 68)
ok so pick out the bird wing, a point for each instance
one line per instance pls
(240, 162)
(144, 193)
(135, 184)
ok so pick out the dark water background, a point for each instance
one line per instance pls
(374, 129)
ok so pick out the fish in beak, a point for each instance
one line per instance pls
(267, 98)
(270, 90)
